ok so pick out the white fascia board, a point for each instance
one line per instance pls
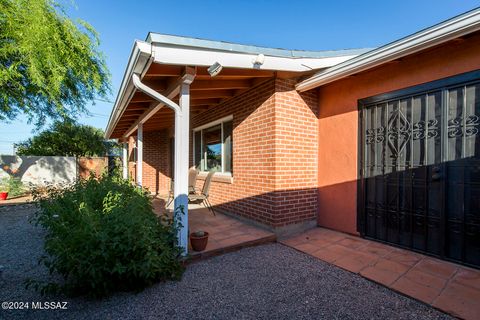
(443, 32)
(203, 57)
(139, 61)
(143, 54)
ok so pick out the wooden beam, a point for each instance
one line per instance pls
(136, 106)
(235, 74)
(158, 123)
(205, 94)
(130, 116)
(199, 109)
(257, 81)
(162, 70)
(157, 85)
(194, 102)
(170, 93)
(141, 97)
(205, 107)
(137, 112)
(219, 84)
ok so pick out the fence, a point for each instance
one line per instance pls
(38, 171)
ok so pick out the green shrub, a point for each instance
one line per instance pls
(103, 236)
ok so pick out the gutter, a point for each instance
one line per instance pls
(445, 31)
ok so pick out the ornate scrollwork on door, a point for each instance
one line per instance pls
(375, 135)
(472, 124)
(424, 129)
(456, 127)
(398, 132)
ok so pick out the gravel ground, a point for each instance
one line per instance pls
(265, 282)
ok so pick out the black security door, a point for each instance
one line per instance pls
(420, 169)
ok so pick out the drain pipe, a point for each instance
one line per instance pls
(154, 94)
(180, 188)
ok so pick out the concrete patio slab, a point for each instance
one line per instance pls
(226, 234)
(452, 288)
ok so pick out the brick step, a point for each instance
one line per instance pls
(197, 256)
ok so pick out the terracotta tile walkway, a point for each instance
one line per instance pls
(226, 233)
(449, 287)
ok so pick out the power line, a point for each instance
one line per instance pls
(103, 100)
(93, 114)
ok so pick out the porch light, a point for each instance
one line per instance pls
(258, 60)
(215, 69)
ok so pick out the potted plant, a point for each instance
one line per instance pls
(199, 240)
(4, 188)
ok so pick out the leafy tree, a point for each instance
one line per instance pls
(67, 138)
(50, 66)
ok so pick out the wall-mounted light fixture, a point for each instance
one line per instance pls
(215, 69)
(258, 60)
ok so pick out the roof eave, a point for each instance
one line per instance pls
(438, 34)
(197, 43)
(204, 57)
(145, 53)
(139, 61)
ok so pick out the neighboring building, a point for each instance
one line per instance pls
(382, 143)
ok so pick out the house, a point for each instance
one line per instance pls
(382, 143)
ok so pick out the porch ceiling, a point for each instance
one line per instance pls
(205, 92)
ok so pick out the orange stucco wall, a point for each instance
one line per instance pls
(338, 120)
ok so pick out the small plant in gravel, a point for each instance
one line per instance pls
(103, 236)
(12, 185)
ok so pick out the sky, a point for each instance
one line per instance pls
(303, 25)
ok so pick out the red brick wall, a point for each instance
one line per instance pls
(296, 151)
(251, 193)
(274, 155)
(156, 161)
(274, 158)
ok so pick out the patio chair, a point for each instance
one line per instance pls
(203, 196)
(192, 179)
(170, 194)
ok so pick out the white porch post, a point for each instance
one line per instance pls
(139, 154)
(181, 157)
(125, 161)
(180, 188)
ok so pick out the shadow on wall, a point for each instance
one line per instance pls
(281, 211)
(39, 170)
(253, 116)
(431, 208)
